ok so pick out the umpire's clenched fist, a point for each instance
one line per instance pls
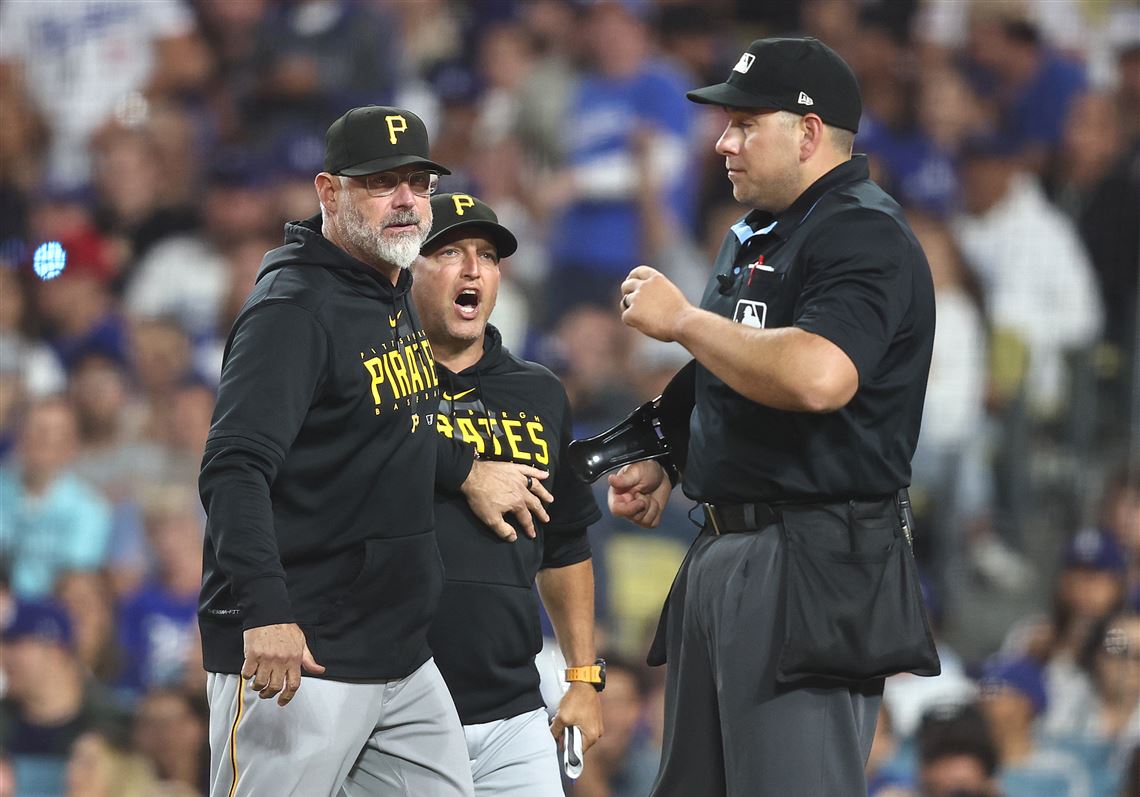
(651, 304)
(274, 657)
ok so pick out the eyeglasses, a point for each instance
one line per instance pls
(385, 183)
(1118, 645)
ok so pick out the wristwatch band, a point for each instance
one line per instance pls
(593, 674)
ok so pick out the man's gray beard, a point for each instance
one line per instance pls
(400, 250)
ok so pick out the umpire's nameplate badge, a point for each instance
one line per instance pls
(744, 64)
(751, 314)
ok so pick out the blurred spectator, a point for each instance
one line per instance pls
(546, 92)
(29, 367)
(506, 57)
(50, 520)
(115, 458)
(314, 58)
(299, 155)
(920, 161)
(1090, 586)
(135, 195)
(156, 621)
(666, 242)
(82, 61)
(110, 419)
(230, 31)
(1128, 90)
(243, 262)
(1120, 517)
(170, 730)
(879, 54)
(1096, 181)
(952, 483)
(1013, 698)
(163, 360)
(885, 777)
(1028, 85)
(591, 350)
(1029, 258)
(956, 753)
(185, 277)
(690, 34)
(22, 354)
(192, 407)
(97, 767)
(623, 763)
(430, 34)
(1112, 657)
(49, 703)
(628, 93)
(89, 600)
(78, 307)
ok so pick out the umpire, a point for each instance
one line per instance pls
(812, 345)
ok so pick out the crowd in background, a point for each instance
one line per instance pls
(164, 144)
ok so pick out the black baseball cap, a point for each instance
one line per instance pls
(451, 211)
(376, 138)
(800, 75)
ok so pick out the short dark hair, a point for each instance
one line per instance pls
(842, 140)
(957, 730)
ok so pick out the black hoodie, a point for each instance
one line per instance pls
(320, 466)
(486, 632)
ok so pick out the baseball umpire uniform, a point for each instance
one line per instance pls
(800, 594)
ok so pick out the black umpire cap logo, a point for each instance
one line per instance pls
(801, 75)
(453, 211)
(377, 138)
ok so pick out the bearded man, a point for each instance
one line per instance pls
(318, 478)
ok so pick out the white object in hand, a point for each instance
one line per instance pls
(572, 751)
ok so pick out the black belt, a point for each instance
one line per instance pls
(735, 518)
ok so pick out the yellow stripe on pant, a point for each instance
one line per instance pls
(233, 735)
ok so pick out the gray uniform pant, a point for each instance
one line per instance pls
(391, 738)
(730, 729)
(515, 757)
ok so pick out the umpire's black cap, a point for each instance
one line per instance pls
(376, 138)
(451, 211)
(798, 75)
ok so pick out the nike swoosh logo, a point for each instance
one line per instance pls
(458, 396)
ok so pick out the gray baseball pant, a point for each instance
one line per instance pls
(515, 757)
(399, 738)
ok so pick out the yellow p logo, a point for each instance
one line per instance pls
(462, 201)
(396, 124)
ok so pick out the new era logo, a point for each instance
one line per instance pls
(805, 99)
(744, 64)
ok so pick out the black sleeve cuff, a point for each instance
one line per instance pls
(565, 548)
(264, 601)
(453, 463)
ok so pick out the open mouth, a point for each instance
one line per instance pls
(467, 303)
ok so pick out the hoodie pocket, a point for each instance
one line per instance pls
(394, 594)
